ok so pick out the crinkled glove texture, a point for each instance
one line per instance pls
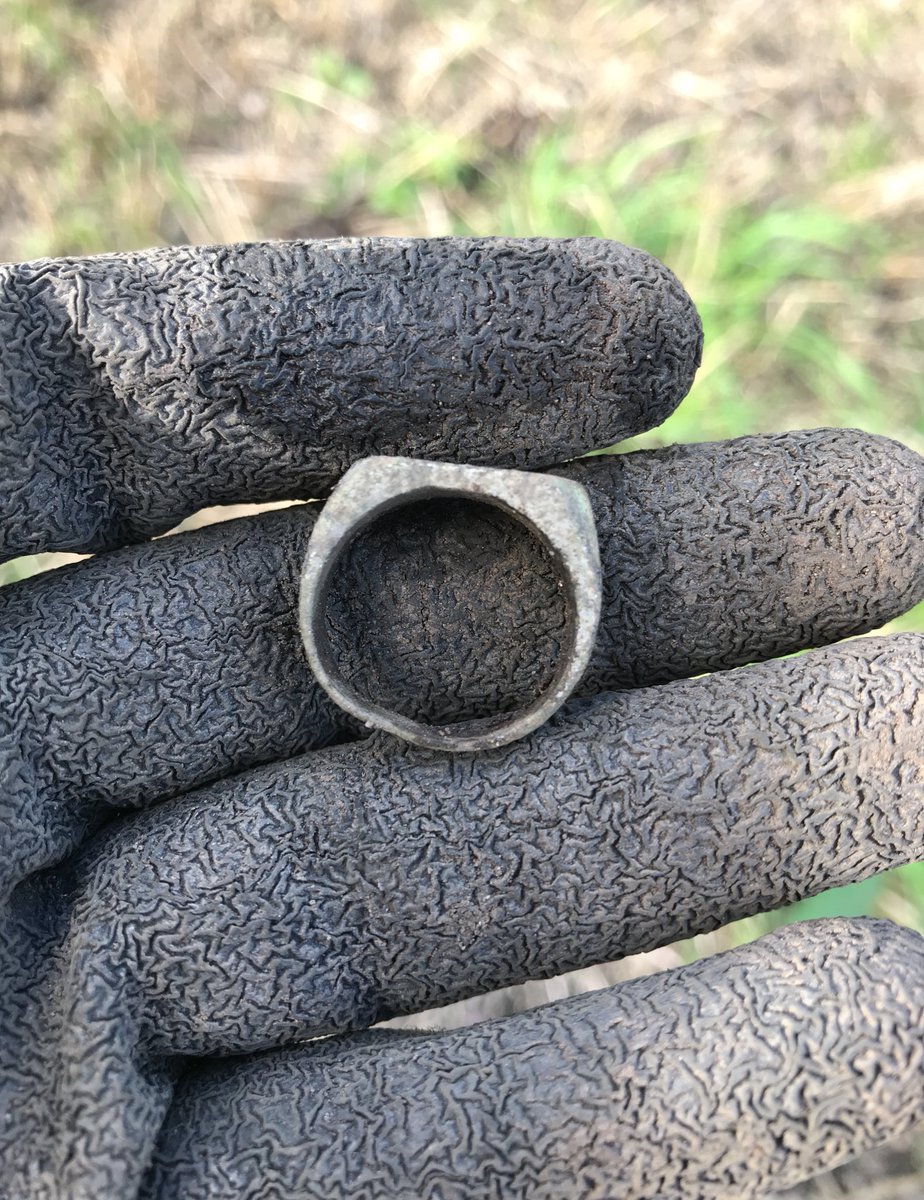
(690, 1085)
(204, 864)
(139, 387)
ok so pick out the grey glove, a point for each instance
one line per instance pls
(204, 865)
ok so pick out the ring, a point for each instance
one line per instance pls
(557, 511)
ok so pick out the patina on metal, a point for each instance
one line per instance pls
(557, 511)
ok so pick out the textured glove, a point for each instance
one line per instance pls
(204, 864)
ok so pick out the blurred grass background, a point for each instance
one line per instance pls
(771, 154)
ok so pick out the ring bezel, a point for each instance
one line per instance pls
(557, 511)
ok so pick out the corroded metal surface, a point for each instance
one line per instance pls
(555, 510)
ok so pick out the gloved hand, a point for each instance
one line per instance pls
(205, 865)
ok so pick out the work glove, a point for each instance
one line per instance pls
(214, 881)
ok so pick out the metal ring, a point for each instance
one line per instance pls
(555, 510)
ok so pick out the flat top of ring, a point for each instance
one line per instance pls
(557, 510)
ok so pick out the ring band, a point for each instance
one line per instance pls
(555, 510)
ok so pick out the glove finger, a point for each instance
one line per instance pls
(156, 669)
(375, 879)
(759, 1067)
(138, 387)
(369, 880)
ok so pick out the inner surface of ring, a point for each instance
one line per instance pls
(447, 610)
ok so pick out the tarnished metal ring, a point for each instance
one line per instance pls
(557, 511)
